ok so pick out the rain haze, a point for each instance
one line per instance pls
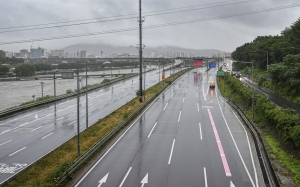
(223, 34)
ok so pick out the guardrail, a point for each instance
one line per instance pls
(264, 160)
(92, 150)
(14, 110)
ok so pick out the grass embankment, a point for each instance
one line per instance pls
(43, 172)
(280, 127)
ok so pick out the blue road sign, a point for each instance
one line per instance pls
(212, 65)
(33, 96)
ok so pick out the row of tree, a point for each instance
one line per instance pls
(273, 47)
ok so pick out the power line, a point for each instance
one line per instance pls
(156, 26)
(116, 18)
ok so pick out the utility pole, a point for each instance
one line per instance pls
(140, 51)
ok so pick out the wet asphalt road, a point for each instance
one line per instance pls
(188, 137)
(26, 137)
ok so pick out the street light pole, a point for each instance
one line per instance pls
(54, 85)
(267, 64)
(78, 129)
(86, 94)
(144, 81)
(252, 95)
(42, 84)
(158, 72)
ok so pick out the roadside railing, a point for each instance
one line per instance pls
(14, 110)
(264, 160)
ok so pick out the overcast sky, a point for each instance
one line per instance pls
(223, 34)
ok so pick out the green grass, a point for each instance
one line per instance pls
(284, 158)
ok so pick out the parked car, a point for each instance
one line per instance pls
(212, 84)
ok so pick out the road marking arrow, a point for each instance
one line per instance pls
(145, 180)
(231, 184)
(103, 180)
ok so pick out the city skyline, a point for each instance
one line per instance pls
(223, 34)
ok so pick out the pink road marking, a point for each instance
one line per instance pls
(221, 150)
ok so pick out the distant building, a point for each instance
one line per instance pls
(9, 54)
(83, 54)
(114, 55)
(58, 53)
(24, 53)
(182, 54)
(91, 56)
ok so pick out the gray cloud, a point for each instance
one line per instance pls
(224, 34)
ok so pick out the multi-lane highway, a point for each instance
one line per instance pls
(28, 136)
(187, 137)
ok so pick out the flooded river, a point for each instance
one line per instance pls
(13, 93)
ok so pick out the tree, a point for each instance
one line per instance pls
(294, 34)
(3, 69)
(25, 70)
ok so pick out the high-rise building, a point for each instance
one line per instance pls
(83, 54)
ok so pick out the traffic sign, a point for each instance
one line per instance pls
(33, 96)
(220, 73)
(212, 65)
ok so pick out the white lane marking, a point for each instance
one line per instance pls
(125, 177)
(75, 111)
(17, 151)
(59, 118)
(237, 146)
(100, 100)
(89, 114)
(5, 142)
(172, 95)
(197, 95)
(36, 128)
(183, 99)
(166, 106)
(72, 122)
(100, 108)
(185, 90)
(200, 131)
(205, 177)
(171, 152)
(87, 173)
(152, 129)
(90, 105)
(5, 131)
(198, 107)
(47, 135)
(179, 116)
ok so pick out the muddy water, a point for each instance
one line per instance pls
(14, 93)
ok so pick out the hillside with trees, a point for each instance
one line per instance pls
(282, 54)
